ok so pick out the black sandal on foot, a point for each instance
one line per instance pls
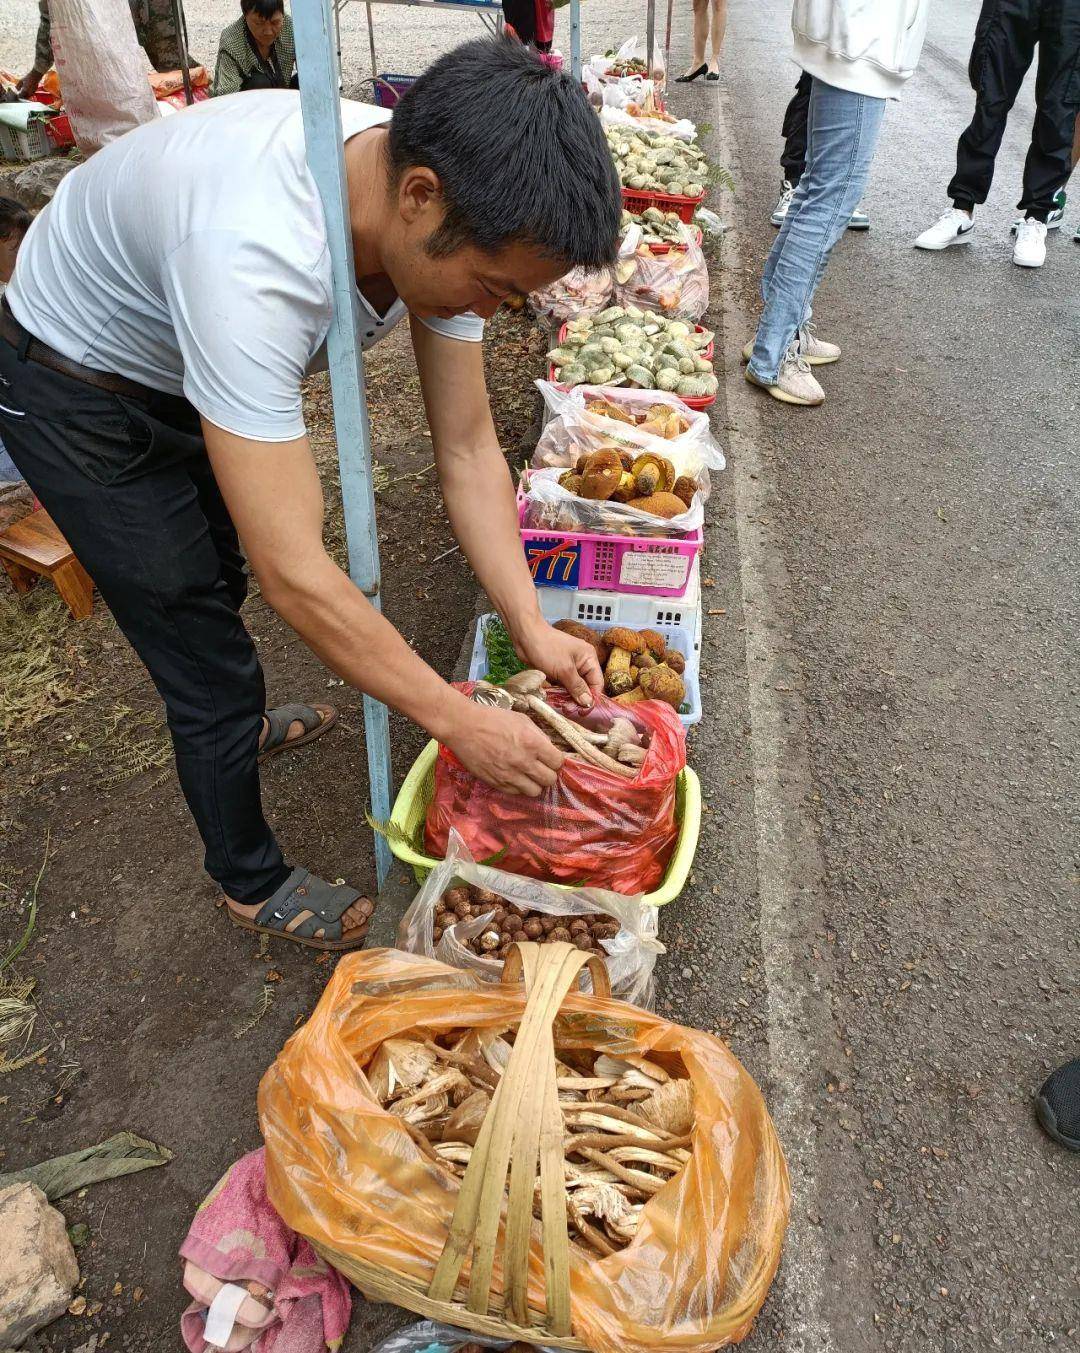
(316, 719)
(321, 904)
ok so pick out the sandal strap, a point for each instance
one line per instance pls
(304, 891)
(281, 719)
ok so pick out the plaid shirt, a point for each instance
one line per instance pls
(238, 57)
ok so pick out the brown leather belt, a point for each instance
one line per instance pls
(36, 351)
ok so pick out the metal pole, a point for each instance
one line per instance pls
(313, 25)
(575, 39)
(371, 39)
(181, 39)
(650, 40)
(667, 37)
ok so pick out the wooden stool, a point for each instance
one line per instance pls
(33, 547)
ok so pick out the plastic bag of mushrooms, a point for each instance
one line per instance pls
(467, 915)
(370, 1109)
(609, 819)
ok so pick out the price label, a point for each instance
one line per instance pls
(639, 569)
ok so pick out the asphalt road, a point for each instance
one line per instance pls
(884, 919)
(900, 864)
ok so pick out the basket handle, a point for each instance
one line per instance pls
(523, 1129)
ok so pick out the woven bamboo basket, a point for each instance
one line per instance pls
(522, 1136)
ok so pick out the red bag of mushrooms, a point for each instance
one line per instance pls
(594, 827)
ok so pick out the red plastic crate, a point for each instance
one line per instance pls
(581, 560)
(691, 401)
(683, 207)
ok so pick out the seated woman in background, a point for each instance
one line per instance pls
(257, 51)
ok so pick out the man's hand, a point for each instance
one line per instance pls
(570, 662)
(505, 750)
(29, 83)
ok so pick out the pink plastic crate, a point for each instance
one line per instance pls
(658, 567)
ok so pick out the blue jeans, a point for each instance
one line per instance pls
(842, 135)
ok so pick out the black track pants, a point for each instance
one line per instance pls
(1006, 36)
(793, 159)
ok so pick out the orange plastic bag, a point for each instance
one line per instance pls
(592, 828)
(347, 1174)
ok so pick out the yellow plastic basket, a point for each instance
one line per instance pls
(411, 804)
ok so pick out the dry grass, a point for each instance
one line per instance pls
(36, 662)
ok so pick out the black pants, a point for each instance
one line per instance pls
(129, 484)
(1005, 39)
(793, 159)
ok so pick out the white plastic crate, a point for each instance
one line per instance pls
(635, 612)
(679, 638)
(32, 144)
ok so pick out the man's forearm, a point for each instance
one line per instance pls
(479, 495)
(355, 640)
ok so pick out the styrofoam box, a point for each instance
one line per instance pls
(677, 636)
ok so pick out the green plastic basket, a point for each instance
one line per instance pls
(411, 804)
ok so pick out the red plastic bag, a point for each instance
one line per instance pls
(591, 828)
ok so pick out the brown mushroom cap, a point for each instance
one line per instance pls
(660, 504)
(621, 637)
(661, 683)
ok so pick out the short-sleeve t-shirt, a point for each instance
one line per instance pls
(191, 256)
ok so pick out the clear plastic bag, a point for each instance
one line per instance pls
(632, 50)
(581, 291)
(428, 1336)
(675, 284)
(348, 1175)
(631, 955)
(550, 507)
(622, 115)
(102, 70)
(574, 428)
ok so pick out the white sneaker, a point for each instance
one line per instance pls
(1055, 217)
(794, 384)
(816, 351)
(954, 227)
(859, 219)
(1030, 248)
(787, 192)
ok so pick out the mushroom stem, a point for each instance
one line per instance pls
(572, 734)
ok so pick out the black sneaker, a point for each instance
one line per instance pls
(1058, 1105)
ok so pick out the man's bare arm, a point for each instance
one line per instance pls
(273, 493)
(479, 496)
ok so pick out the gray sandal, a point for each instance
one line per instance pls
(316, 719)
(304, 892)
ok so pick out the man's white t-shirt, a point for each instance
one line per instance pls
(190, 255)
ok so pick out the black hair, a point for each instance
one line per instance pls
(14, 218)
(265, 9)
(520, 154)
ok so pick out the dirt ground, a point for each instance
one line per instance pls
(155, 1014)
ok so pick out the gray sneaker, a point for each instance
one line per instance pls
(859, 219)
(795, 382)
(787, 192)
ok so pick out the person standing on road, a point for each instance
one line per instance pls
(1006, 36)
(165, 308)
(709, 16)
(793, 156)
(857, 56)
(155, 28)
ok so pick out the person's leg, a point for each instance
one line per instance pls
(793, 156)
(1057, 100)
(155, 27)
(717, 26)
(1003, 51)
(146, 541)
(842, 137)
(701, 33)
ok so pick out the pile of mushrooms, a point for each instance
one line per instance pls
(627, 1122)
(621, 749)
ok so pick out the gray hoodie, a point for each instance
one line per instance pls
(866, 46)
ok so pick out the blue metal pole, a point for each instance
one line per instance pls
(317, 65)
(575, 39)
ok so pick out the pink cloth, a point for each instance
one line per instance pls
(237, 1236)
